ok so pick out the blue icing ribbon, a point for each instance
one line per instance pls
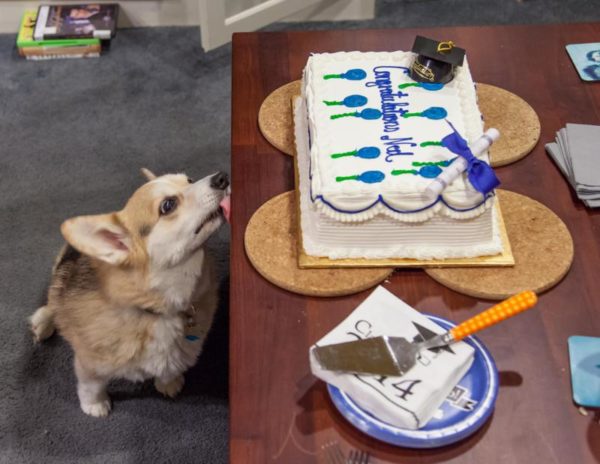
(480, 174)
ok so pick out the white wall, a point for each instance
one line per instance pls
(340, 10)
(140, 13)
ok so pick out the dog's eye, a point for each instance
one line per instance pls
(167, 206)
(190, 181)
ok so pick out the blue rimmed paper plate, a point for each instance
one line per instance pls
(465, 410)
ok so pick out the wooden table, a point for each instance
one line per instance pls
(279, 412)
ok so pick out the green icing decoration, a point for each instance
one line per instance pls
(336, 116)
(397, 172)
(332, 76)
(332, 103)
(348, 153)
(431, 144)
(433, 163)
(343, 178)
(408, 84)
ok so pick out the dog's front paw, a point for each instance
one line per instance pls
(172, 388)
(99, 409)
(41, 324)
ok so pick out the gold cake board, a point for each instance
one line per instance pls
(517, 122)
(271, 245)
(542, 247)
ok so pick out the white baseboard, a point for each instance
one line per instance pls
(336, 10)
(147, 13)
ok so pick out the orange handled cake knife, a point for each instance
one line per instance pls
(394, 356)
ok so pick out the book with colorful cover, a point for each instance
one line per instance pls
(57, 48)
(25, 36)
(91, 20)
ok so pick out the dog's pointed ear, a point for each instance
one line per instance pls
(148, 174)
(102, 236)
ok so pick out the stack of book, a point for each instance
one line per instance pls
(575, 152)
(67, 31)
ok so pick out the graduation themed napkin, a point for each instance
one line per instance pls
(576, 152)
(411, 400)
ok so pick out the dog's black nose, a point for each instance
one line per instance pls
(219, 181)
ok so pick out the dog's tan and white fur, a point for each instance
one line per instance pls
(133, 291)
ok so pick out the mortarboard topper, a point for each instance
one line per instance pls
(435, 60)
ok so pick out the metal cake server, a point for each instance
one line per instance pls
(394, 356)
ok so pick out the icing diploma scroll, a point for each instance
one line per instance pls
(437, 185)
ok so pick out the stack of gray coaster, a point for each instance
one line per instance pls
(576, 151)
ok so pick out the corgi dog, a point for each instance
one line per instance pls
(133, 291)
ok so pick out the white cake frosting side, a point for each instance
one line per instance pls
(382, 236)
(397, 138)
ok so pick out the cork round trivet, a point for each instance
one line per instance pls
(517, 122)
(542, 247)
(275, 117)
(271, 245)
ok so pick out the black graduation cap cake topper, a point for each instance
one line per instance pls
(435, 61)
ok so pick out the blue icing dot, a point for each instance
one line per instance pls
(430, 172)
(432, 85)
(191, 338)
(435, 112)
(353, 101)
(368, 152)
(354, 74)
(371, 177)
(370, 113)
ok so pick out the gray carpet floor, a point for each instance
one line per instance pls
(73, 135)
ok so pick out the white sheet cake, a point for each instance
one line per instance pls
(368, 144)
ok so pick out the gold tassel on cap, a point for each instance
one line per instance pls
(445, 47)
